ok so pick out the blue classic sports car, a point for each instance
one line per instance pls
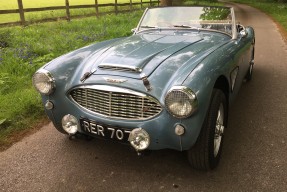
(167, 86)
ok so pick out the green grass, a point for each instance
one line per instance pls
(12, 4)
(278, 11)
(24, 50)
(34, 16)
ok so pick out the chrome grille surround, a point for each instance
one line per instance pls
(115, 102)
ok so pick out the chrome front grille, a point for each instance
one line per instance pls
(116, 102)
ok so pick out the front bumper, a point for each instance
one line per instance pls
(161, 128)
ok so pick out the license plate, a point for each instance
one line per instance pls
(104, 131)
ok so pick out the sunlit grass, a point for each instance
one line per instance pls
(34, 16)
(24, 50)
(13, 4)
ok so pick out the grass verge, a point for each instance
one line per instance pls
(24, 50)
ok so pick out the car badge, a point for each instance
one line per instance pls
(110, 80)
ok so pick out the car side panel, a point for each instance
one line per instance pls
(202, 80)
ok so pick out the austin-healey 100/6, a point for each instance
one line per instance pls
(167, 86)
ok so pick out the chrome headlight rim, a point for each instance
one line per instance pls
(139, 139)
(70, 124)
(51, 81)
(192, 99)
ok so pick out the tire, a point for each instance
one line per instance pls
(206, 152)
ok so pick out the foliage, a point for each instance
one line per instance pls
(203, 2)
(24, 50)
(12, 4)
(57, 14)
(2, 121)
(214, 13)
(277, 10)
(5, 83)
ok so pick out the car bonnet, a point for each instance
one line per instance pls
(138, 54)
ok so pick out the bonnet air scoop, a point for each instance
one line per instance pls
(124, 68)
(119, 67)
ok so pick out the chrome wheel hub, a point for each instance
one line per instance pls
(219, 129)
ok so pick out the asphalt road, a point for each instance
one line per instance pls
(254, 156)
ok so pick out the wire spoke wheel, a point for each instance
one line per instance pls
(206, 152)
(219, 129)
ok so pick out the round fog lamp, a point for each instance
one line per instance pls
(179, 130)
(70, 124)
(49, 105)
(139, 139)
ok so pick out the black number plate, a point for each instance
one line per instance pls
(104, 131)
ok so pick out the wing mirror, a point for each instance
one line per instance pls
(133, 30)
(242, 31)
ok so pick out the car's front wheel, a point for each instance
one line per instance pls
(206, 152)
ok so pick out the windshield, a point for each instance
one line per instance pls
(213, 18)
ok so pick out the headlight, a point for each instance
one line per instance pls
(181, 102)
(44, 82)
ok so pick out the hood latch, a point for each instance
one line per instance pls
(87, 75)
(146, 82)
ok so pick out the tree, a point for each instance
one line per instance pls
(166, 2)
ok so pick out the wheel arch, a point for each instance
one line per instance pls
(223, 84)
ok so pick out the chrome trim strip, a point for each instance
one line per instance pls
(233, 77)
(114, 80)
(188, 29)
(234, 31)
(111, 89)
(138, 26)
(119, 67)
(233, 22)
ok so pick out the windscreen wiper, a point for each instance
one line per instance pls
(148, 27)
(183, 26)
(187, 27)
